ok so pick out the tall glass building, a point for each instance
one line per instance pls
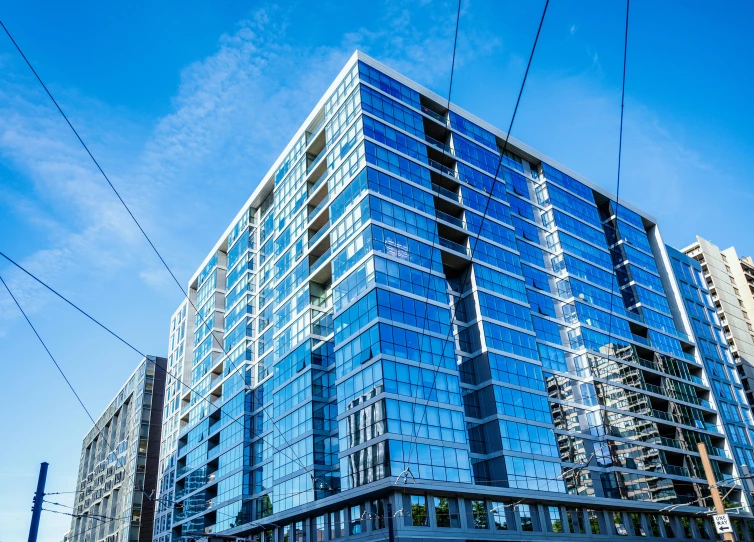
(361, 359)
(725, 382)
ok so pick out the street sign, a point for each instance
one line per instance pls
(722, 524)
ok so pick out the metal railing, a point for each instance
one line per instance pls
(443, 147)
(443, 169)
(437, 116)
(447, 243)
(450, 219)
(445, 192)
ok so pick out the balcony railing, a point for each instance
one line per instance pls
(444, 169)
(450, 219)
(317, 184)
(317, 236)
(447, 243)
(678, 471)
(319, 207)
(664, 441)
(661, 414)
(437, 116)
(323, 326)
(320, 259)
(442, 147)
(316, 161)
(717, 451)
(315, 130)
(323, 302)
(445, 192)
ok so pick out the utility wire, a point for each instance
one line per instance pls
(112, 449)
(141, 229)
(54, 101)
(79, 309)
(489, 199)
(60, 370)
(444, 154)
(144, 233)
(613, 279)
(100, 324)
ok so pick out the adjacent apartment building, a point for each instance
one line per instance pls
(118, 468)
(412, 325)
(731, 283)
(726, 385)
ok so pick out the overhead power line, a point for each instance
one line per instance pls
(486, 210)
(106, 328)
(44, 345)
(133, 217)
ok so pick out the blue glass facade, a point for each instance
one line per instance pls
(388, 323)
(725, 382)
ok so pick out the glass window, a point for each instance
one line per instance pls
(479, 514)
(319, 529)
(576, 521)
(594, 522)
(524, 513)
(446, 512)
(419, 516)
(620, 528)
(389, 85)
(357, 515)
(531, 439)
(391, 111)
(472, 130)
(686, 525)
(702, 526)
(499, 519)
(337, 524)
(378, 514)
(556, 523)
(299, 531)
(636, 524)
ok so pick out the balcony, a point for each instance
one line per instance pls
(312, 132)
(443, 169)
(455, 247)
(439, 190)
(317, 236)
(664, 441)
(436, 116)
(321, 205)
(450, 219)
(323, 326)
(317, 185)
(319, 260)
(314, 163)
(442, 147)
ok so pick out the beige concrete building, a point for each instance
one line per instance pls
(731, 282)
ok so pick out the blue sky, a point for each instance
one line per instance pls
(187, 104)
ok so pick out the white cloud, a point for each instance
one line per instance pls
(233, 113)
